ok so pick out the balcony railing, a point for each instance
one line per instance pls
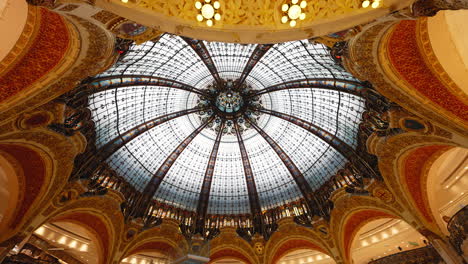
(458, 227)
(426, 255)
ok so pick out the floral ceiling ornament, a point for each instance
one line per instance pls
(293, 12)
(208, 11)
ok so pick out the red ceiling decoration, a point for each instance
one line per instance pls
(48, 48)
(292, 245)
(33, 169)
(407, 59)
(358, 220)
(413, 169)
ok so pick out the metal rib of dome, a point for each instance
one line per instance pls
(158, 126)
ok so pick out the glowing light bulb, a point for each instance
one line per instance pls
(124, 1)
(303, 4)
(284, 7)
(199, 18)
(295, 2)
(209, 22)
(366, 4)
(376, 4)
(62, 240)
(284, 19)
(40, 231)
(207, 11)
(302, 16)
(216, 5)
(84, 248)
(198, 5)
(292, 23)
(217, 16)
(72, 244)
(294, 12)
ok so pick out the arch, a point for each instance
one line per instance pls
(290, 237)
(32, 172)
(230, 253)
(293, 244)
(404, 162)
(155, 246)
(356, 221)
(9, 189)
(94, 224)
(400, 63)
(100, 215)
(403, 44)
(229, 240)
(165, 239)
(36, 155)
(383, 236)
(414, 165)
(44, 43)
(446, 186)
(51, 45)
(353, 212)
(13, 13)
(447, 38)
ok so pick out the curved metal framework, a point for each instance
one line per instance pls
(115, 82)
(305, 66)
(257, 54)
(345, 86)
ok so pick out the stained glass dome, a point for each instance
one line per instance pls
(223, 127)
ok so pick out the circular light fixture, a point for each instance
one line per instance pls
(293, 11)
(376, 4)
(303, 4)
(371, 3)
(208, 11)
(124, 1)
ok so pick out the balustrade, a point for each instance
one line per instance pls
(458, 226)
(426, 255)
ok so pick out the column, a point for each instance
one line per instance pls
(446, 251)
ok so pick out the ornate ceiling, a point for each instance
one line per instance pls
(251, 21)
(158, 119)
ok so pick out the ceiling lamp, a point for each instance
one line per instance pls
(208, 11)
(369, 3)
(293, 12)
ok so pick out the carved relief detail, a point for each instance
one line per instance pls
(251, 13)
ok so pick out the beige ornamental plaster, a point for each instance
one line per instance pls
(176, 17)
